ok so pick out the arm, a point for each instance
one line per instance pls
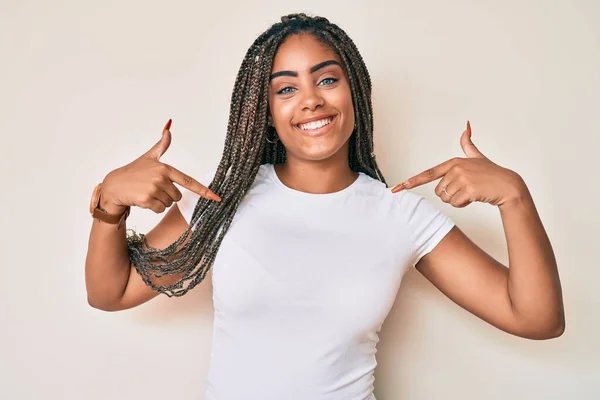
(112, 282)
(525, 299)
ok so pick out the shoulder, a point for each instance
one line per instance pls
(427, 224)
(403, 203)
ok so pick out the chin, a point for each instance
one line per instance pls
(319, 153)
(316, 156)
(316, 148)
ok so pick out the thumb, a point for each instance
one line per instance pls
(467, 145)
(163, 144)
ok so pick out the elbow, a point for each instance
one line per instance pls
(557, 330)
(551, 333)
(103, 305)
(557, 326)
(545, 331)
(542, 324)
(103, 299)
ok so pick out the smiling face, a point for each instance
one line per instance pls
(310, 100)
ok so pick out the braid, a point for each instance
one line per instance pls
(246, 148)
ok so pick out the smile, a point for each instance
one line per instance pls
(316, 128)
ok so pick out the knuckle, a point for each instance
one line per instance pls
(430, 173)
(178, 195)
(157, 179)
(164, 168)
(458, 169)
(165, 180)
(459, 203)
(187, 180)
(146, 199)
(157, 207)
(154, 188)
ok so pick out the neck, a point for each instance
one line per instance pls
(317, 177)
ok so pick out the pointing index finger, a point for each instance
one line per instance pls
(190, 183)
(426, 176)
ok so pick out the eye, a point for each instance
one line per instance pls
(328, 81)
(286, 90)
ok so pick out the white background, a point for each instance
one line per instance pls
(86, 87)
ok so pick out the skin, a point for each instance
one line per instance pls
(112, 283)
(525, 299)
(313, 164)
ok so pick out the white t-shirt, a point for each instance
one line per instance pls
(303, 282)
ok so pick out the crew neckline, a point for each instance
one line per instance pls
(283, 186)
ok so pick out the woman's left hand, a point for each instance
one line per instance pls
(474, 178)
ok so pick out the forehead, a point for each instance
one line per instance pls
(300, 52)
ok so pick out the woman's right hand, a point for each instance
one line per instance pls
(148, 183)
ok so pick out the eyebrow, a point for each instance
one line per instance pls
(312, 69)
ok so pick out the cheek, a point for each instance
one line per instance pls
(281, 111)
(286, 110)
(345, 105)
(350, 105)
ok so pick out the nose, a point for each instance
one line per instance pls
(311, 99)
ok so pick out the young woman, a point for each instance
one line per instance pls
(307, 244)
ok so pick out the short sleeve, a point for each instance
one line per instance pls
(427, 225)
(189, 199)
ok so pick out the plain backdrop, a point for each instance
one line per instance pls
(86, 87)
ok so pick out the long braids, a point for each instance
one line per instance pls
(246, 148)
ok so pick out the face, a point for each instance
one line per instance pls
(310, 99)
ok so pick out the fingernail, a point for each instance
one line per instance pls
(399, 187)
(168, 125)
(214, 196)
(469, 127)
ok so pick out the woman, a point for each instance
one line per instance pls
(307, 244)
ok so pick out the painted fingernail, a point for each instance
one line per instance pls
(214, 196)
(168, 125)
(469, 127)
(400, 187)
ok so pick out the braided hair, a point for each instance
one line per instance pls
(247, 147)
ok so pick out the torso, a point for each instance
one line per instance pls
(301, 286)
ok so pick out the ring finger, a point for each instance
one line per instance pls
(445, 189)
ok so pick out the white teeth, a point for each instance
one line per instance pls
(315, 124)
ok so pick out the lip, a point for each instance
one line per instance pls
(320, 131)
(315, 118)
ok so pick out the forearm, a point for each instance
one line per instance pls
(533, 281)
(107, 264)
